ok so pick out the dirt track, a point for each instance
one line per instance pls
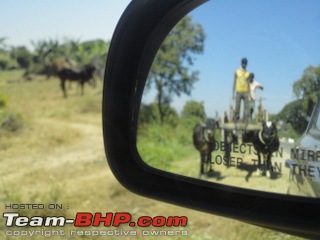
(243, 171)
(78, 177)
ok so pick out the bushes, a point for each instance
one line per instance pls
(3, 101)
(163, 145)
(149, 114)
(10, 122)
(158, 145)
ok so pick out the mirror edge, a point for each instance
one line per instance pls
(121, 100)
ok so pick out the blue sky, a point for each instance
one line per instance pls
(280, 38)
(22, 21)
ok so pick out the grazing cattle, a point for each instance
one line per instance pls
(266, 142)
(204, 141)
(81, 76)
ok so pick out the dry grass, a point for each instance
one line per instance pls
(58, 157)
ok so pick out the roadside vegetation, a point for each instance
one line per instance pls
(46, 161)
(38, 127)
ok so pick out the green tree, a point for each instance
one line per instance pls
(193, 109)
(307, 88)
(22, 55)
(80, 53)
(5, 59)
(170, 73)
(149, 115)
(95, 51)
(41, 59)
(294, 114)
(3, 45)
(44, 49)
(91, 50)
(50, 55)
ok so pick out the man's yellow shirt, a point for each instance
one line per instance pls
(242, 80)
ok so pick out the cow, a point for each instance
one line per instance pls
(204, 142)
(266, 142)
(229, 137)
(81, 76)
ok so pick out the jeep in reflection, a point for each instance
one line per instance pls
(304, 162)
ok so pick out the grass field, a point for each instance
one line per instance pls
(57, 157)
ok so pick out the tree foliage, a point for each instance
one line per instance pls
(49, 54)
(6, 61)
(193, 109)
(307, 88)
(149, 114)
(22, 55)
(2, 43)
(170, 73)
(307, 92)
(294, 114)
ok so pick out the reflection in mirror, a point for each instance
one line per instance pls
(230, 94)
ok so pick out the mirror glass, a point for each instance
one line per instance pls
(230, 96)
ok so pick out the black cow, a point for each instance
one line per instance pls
(204, 141)
(81, 76)
(266, 142)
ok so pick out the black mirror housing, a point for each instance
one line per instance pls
(139, 34)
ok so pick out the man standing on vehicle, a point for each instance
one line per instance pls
(254, 85)
(242, 90)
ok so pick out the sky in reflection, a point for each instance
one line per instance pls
(279, 38)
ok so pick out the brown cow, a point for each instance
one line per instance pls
(81, 76)
(204, 142)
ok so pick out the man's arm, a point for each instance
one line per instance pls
(259, 86)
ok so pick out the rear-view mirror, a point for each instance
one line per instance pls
(196, 121)
(173, 130)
